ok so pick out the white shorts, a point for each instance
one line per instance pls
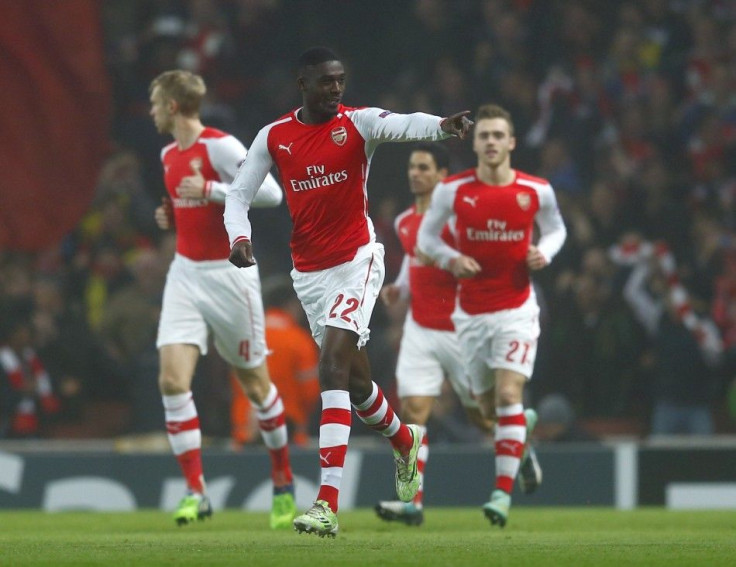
(503, 339)
(342, 296)
(426, 358)
(205, 296)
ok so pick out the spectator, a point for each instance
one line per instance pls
(128, 328)
(594, 346)
(81, 368)
(682, 382)
(558, 422)
(26, 395)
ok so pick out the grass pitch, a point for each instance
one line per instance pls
(459, 537)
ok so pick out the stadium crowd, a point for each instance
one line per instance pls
(628, 108)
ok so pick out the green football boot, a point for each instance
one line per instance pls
(407, 478)
(319, 519)
(283, 510)
(497, 510)
(194, 506)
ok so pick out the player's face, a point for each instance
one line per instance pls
(161, 112)
(493, 142)
(423, 173)
(322, 87)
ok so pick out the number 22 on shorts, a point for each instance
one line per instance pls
(343, 307)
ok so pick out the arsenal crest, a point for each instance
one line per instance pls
(339, 135)
(524, 200)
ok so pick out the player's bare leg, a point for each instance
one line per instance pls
(265, 398)
(177, 364)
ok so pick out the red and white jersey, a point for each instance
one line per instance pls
(432, 290)
(323, 169)
(200, 233)
(494, 225)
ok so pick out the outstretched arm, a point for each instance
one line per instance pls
(377, 125)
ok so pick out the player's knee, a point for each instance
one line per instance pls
(416, 410)
(334, 373)
(360, 391)
(419, 418)
(485, 424)
(508, 395)
(170, 383)
(255, 383)
(509, 388)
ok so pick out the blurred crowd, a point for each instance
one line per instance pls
(627, 107)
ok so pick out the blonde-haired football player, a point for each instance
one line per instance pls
(206, 294)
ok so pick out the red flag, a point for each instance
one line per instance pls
(55, 101)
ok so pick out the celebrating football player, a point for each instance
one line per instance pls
(323, 152)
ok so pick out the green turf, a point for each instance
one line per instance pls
(449, 537)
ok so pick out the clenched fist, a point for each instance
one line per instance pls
(241, 254)
(164, 215)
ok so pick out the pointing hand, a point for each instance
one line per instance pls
(458, 124)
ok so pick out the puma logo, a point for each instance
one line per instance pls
(325, 458)
(509, 446)
(269, 424)
(470, 200)
(287, 149)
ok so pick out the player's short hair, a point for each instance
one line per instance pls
(315, 56)
(439, 153)
(495, 111)
(186, 88)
